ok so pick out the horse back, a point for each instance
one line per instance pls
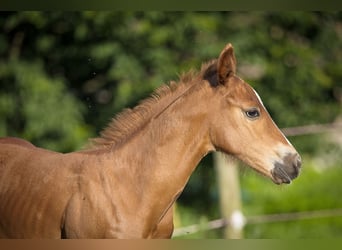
(16, 141)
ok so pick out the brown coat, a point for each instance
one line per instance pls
(125, 184)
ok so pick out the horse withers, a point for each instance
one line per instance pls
(125, 183)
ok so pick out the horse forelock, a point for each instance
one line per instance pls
(130, 121)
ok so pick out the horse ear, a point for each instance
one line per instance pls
(226, 66)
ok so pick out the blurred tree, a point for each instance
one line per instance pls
(110, 60)
(38, 108)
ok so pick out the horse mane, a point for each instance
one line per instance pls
(129, 121)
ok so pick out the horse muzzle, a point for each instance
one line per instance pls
(287, 170)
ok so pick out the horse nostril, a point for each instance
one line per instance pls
(286, 170)
(297, 161)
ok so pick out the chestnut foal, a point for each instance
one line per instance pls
(125, 184)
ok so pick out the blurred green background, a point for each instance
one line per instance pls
(64, 75)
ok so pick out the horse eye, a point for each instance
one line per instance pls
(252, 113)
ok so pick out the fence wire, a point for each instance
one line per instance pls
(312, 129)
(258, 219)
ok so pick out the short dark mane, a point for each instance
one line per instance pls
(130, 121)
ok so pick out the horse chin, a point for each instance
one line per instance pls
(279, 181)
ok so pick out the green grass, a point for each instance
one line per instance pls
(318, 187)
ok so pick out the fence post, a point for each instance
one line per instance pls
(229, 193)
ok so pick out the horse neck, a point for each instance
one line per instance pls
(178, 138)
(167, 150)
